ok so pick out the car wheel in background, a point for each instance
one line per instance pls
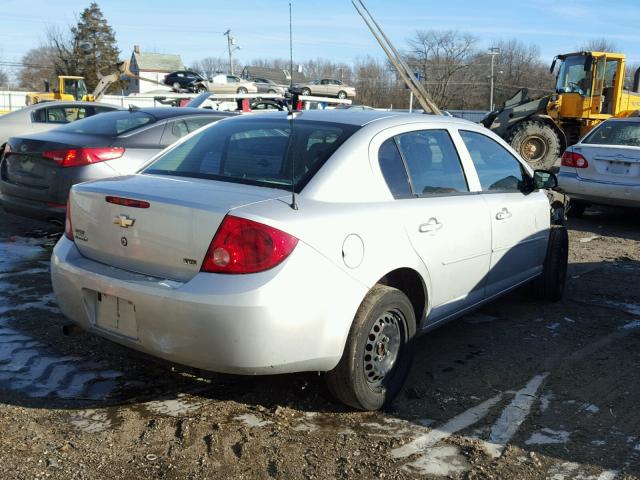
(576, 208)
(176, 86)
(342, 95)
(271, 91)
(305, 91)
(550, 284)
(201, 89)
(378, 353)
(242, 90)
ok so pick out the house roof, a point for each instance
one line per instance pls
(158, 62)
(274, 74)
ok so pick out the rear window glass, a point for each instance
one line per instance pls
(616, 133)
(255, 151)
(109, 123)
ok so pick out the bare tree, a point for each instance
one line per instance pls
(38, 66)
(601, 44)
(208, 67)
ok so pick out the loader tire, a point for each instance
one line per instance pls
(550, 284)
(537, 142)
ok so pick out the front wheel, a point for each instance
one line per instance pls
(537, 142)
(201, 89)
(305, 92)
(242, 90)
(342, 95)
(550, 284)
(378, 353)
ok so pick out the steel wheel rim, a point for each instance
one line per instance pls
(382, 348)
(534, 148)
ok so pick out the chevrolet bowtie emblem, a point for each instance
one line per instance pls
(124, 221)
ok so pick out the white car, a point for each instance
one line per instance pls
(604, 167)
(323, 241)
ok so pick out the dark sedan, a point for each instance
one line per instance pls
(37, 171)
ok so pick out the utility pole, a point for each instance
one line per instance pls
(493, 51)
(231, 45)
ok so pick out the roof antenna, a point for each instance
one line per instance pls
(290, 116)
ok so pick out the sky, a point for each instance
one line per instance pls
(329, 28)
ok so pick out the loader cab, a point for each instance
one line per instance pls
(74, 87)
(588, 85)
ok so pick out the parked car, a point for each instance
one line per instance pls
(604, 167)
(231, 84)
(406, 222)
(37, 171)
(46, 116)
(265, 85)
(186, 80)
(324, 87)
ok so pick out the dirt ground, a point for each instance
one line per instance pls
(519, 390)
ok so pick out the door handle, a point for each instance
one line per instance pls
(503, 214)
(431, 226)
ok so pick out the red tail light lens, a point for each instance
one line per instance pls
(245, 246)
(76, 157)
(127, 202)
(68, 228)
(573, 159)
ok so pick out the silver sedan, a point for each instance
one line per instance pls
(319, 241)
(604, 167)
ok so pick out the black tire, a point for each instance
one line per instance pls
(271, 91)
(550, 284)
(242, 90)
(305, 92)
(201, 89)
(176, 86)
(537, 142)
(356, 379)
(342, 95)
(576, 208)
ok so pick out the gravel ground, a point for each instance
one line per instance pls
(518, 390)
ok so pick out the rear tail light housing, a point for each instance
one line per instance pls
(127, 202)
(573, 159)
(244, 246)
(77, 157)
(68, 228)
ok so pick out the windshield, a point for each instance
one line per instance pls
(615, 133)
(75, 87)
(572, 78)
(109, 123)
(256, 151)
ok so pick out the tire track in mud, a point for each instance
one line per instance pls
(27, 365)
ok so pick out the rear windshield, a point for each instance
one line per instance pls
(616, 133)
(258, 151)
(109, 123)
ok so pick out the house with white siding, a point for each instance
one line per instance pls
(151, 66)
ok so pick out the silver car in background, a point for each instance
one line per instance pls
(315, 241)
(604, 167)
(268, 86)
(325, 87)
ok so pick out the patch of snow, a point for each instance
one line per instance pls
(174, 407)
(590, 408)
(553, 326)
(545, 400)
(441, 461)
(17, 250)
(251, 420)
(548, 436)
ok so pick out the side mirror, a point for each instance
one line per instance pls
(588, 63)
(544, 179)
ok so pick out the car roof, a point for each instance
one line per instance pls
(70, 103)
(623, 119)
(161, 113)
(362, 117)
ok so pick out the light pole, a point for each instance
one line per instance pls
(493, 51)
(231, 45)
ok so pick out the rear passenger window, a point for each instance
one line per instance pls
(432, 162)
(393, 169)
(498, 170)
(195, 123)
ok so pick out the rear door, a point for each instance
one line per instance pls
(519, 218)
(447, 223)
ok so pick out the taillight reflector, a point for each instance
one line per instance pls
(127, 202)
(76, 157)
(68, 228)
(573, 159)
(245, 246)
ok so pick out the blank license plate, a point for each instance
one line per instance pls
(117, 315)
(619, 167)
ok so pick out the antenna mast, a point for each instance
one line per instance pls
(290, 116)
(396, 59)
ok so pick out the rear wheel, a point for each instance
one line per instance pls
(550, 284)
(242, 90)
(201, 89)
(305, 92)
(378, 353)
(537, 142)
(342, 95)
(176, 86)
(576, 208)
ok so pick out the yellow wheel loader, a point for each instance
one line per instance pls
(589, 90)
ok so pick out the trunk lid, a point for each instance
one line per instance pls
(619, 164)
(168, 239)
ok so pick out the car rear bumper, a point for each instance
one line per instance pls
(32, 209)
(295, 317)
(599, 191)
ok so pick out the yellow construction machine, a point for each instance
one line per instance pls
(589, 89)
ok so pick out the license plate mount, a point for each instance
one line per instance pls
(116, 315)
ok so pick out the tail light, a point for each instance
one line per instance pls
(76, 157)
(245, 246)
(68, 228)
(127, 202)
(573, 159)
